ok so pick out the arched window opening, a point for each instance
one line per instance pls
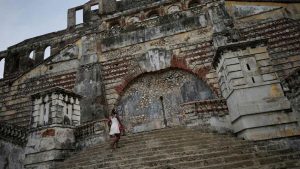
(2, 63)
(47, 52)
(193, 4)
(153, 14)
(32, 55)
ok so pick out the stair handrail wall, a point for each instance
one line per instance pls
(91, 128)
(218, 106)
(13, 133)
(293, 83)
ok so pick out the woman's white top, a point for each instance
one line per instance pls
(114, 128)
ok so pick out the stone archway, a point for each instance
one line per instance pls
(154, 98)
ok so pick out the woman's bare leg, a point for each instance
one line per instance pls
(113, 142)
(118, 136)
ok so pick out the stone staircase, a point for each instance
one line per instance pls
(176, 148)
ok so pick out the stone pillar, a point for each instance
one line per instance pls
(71, 17)
(256, 102)
(55, 114)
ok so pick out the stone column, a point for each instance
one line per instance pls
(256, 102)
(71, 17)
(56, 112)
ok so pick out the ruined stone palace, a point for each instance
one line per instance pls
(199, 68)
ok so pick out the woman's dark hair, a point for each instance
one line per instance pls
(113, 112)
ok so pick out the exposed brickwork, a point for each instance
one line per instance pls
(16, 100)
(14, 134)
(283, 43)
(152, 61)
(214, 105)
(49, 133)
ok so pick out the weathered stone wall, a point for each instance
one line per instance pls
(151, 98)
(259, 11)
(278, 22)
(90, 134)
(148, 59)
(283, 43)
(240, 10)
(48, 145)
(183, 30)
(99, 58)
(89, 82)
(257, 105)
(188, 45)
(11, 156)
(292, 83)
(58, 71)
(207, 115)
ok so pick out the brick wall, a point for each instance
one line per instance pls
(15, 98)
(283, 45)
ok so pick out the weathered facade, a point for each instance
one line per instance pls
(225, 66)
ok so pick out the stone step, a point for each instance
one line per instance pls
(159, 155)
(124, 141)
(234, 161)
(180, 162)
(174, 135)
(288, 164)
(178, 158)
(166, 141)
(175, 148)
(231, 150)
(188, 143)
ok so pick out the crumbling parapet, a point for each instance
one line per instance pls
(56, 112)
(89, 14)
(256, 102)
(207, 115)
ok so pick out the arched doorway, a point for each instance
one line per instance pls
(153, 100)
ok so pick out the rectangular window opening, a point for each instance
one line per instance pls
(2, 62)
(79, 16)
(95, 7)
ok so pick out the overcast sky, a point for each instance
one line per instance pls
(23, 19)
